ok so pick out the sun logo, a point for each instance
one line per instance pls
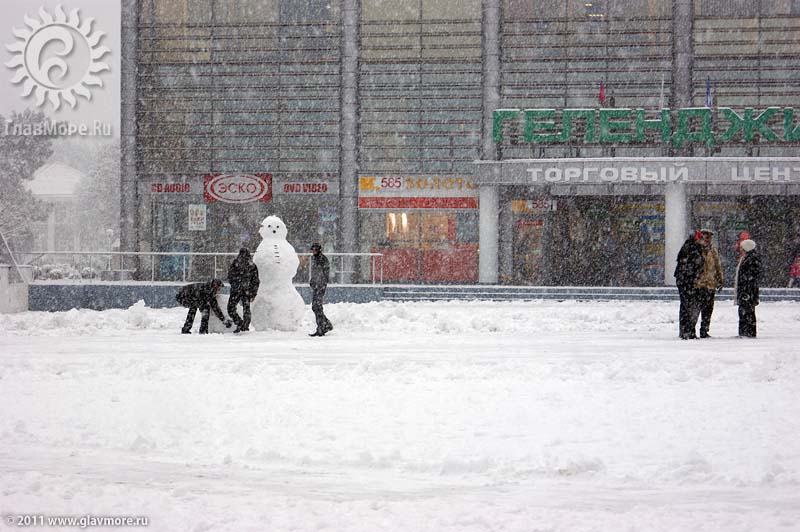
(57, 57)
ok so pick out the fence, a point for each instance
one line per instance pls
(170, 265)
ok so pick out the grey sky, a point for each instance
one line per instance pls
(105, 103)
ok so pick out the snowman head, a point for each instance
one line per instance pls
(273, 228)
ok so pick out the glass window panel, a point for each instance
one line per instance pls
(182, 11)
(451, 9)
(533, 9)
(402, 226)
(247, 11)
(389, 10)
(305, 10)
(626, 9)
(435, 227)
(727, 8)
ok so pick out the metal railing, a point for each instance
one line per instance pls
(112, 265)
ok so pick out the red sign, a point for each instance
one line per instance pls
(237, 188)
(416, 203)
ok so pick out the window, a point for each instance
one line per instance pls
(595, 9)
(182, 11)
(729, 8)
(305, 10)
(534, 9)
(247, 11)
(408, 10)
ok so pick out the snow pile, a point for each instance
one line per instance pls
(446, 417)
(90, 322)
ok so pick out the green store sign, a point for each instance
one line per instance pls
(628, 126)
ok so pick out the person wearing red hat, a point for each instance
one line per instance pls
(748, 278)
(744, 235)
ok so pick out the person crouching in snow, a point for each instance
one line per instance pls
(709, 281)
(202, 296)
(748, 277)
(243, 277)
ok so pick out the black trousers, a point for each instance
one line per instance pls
(688, 313)
(204, 313)
(323, 324)
(705, 306)
(747, 320)
(233, 300)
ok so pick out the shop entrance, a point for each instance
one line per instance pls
(601, 241)
(425, 247)
(528, 251)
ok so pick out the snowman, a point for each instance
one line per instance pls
(278, 305)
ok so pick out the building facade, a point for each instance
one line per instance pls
(496, 141)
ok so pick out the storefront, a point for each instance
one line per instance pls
(221, 213)
(600, 240)
(621, 222)
(773, 220)
(426, 227)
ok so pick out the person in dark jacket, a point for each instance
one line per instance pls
(244, 281)
(688, 269)
(319, 275)
(748, 277)
(201, 296)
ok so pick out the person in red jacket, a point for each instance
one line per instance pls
(794, 273)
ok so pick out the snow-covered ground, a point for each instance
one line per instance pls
(460, 416)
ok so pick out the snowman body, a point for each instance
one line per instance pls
(278, 304)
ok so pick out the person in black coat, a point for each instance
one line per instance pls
(201, 296)
(748, 277)
(688, 269)
(319, 275)
(244, 281)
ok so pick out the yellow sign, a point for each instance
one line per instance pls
(367, 184)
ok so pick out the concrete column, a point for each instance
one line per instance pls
(490, 42)
(676, 219)
(129, 196)
(676, 227)
(488, 234)
(489, 214)
(348, 240)
(682, 52)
